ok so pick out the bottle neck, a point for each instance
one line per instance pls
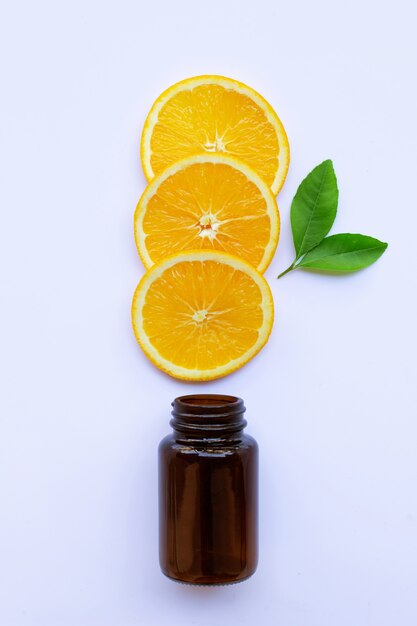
(208, 417)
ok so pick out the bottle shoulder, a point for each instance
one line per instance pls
(250, 442)
(244, 445)
(167, 441)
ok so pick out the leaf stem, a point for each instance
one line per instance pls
(289, 269)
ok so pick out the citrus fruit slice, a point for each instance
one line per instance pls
(215, 114)
(202, 314)
(208, 201)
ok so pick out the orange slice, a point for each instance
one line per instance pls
(215, 114)
(200, 315)
(209, 201)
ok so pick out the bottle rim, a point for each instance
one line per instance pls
(208, 404)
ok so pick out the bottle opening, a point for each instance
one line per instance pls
(211, 402)
(208, 414)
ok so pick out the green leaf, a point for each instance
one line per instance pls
(344, 253)
(314, 207)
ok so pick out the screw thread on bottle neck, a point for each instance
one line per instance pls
(208, 415)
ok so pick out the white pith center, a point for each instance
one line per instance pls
(217, 145)
(200, 316)
(209, 225)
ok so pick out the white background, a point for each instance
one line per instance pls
(331, 399)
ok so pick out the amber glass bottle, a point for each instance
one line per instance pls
(208, 492)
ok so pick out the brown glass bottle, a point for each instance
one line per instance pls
(208, 492)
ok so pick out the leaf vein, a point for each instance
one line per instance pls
(313, 209)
